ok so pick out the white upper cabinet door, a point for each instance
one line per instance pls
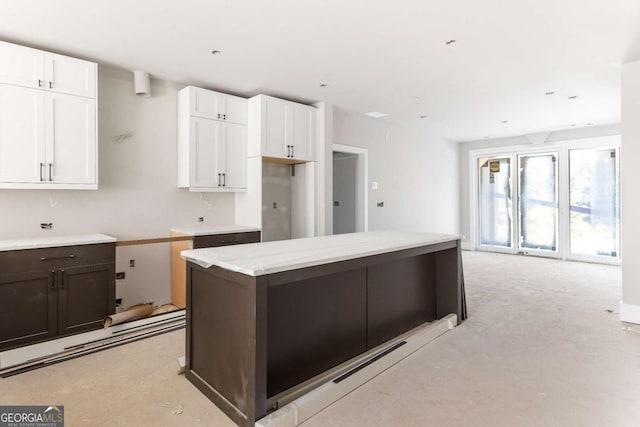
(71, 139)
(21, 135)
(274, 132)
(233, 159)
(70, 75)
(21, 66)
(205, 136)
(233, 108)
(203, 103)
(302, 128)
(217, 106)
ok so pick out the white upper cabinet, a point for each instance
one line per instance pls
(22, 154)
(70, 75)
(282, 129)
(27, 67)
(21, 66)
(217, 106)
(48, 120)
(212, 152)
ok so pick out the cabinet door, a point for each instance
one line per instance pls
(21, 134)
(234, 108)
(70, 139)
(302, 119)
(204, 103)
(70, 75)
(21, 65)
(274, 130)
(205, 136)
(86, 295)
(233, 159)
(28, 307)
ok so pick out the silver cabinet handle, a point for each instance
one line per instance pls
(57, 257)
(53, 280)
(224, 179)
(61, 279)
(50, 85)
(292, 151)
(41, 174)
(50, 172)
(39, 83)
(219, 180)
(224, 116)
(218, 115)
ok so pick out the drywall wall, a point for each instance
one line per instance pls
(276, 202)
(465, 167)
(629, 200)
(416, 172)
(137, 196)
(344, 193)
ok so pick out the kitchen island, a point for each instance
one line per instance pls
(264, 318)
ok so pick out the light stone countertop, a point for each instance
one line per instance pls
(256, 259)
(208, 230)
(54, 241)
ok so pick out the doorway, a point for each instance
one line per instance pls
(349, 189)
(561, 201)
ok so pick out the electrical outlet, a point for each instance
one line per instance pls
(381, 204)
(120, 275)
(275, 205)
(119, 301)
(132, 263)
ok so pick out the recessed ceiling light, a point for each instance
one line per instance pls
(324, 85)
(573, 96)
(424, 116)
(450, 42)
(216, 52)
(505, 121)
(549, 93)
(375, 114)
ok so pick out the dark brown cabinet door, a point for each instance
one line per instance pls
(86, 295)
(28, 307)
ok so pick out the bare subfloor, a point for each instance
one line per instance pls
(539, 348)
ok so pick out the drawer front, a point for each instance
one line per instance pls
(225, 239)
(12, 262)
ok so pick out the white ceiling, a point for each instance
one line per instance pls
(374, 55)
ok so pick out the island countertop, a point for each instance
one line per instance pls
(258, 259)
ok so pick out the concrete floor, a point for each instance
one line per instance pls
(539, 348)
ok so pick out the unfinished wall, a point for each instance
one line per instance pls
(138, 195)
(416, 172)
(276, 202)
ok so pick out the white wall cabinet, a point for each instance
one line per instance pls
(212, 153)
(217, 106)
(48, 120)
(282, 129)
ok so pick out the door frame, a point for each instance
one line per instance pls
(362, 183)
(562, 148)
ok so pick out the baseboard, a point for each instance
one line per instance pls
(467, 246)
(630, 313)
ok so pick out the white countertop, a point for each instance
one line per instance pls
(54, 241)
(256, 259)
(208, 230)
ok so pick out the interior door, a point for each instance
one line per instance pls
(495, 202)
(538, 202)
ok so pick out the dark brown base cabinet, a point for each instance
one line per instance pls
(52, 292)
(252, 338)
